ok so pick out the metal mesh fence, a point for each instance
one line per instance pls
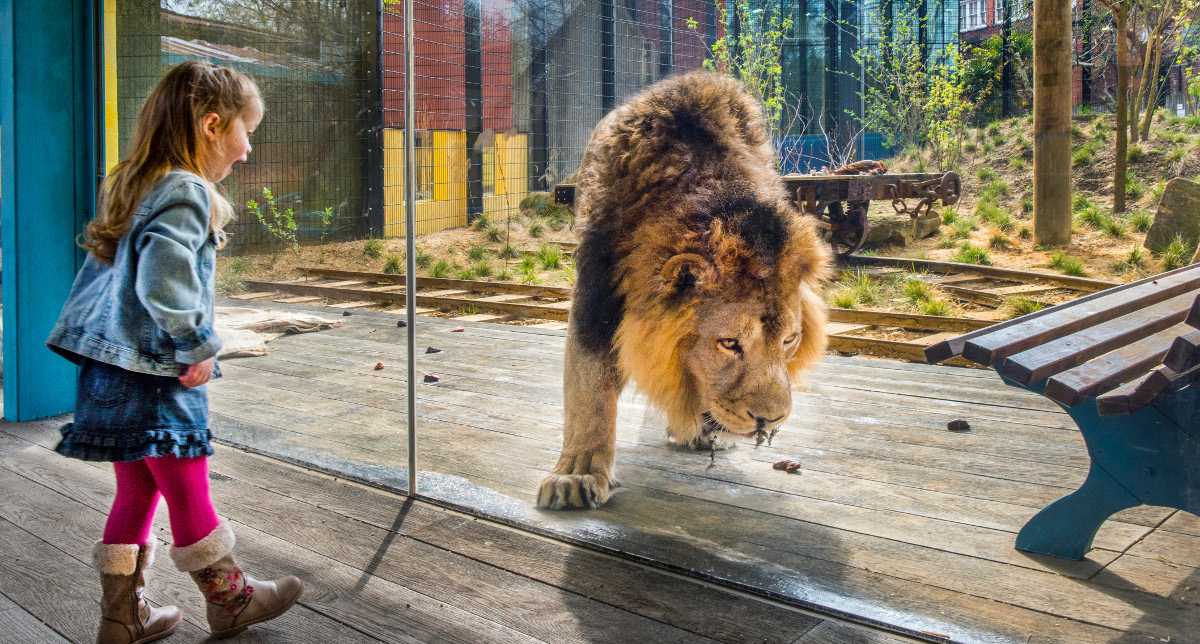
(507, 93)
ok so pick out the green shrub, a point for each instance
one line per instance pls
(373, 248)
(494, 233)
(1080, 202)
(481, 222)
(1025, 232)
(1141, 221)
(508, 252)
(998, 240)
(986, 174)
(866, 289)
(1156, 192)
(962, 228)
(441, 268)
(1018, 306)
(1134, 259)
(1175, 255)
(993, 190)
(527, 263)
(1113, 227)
(424, 258)
(1091, 216)
(1176, 155)
(993, 131)
(844, 298)
(968, 254)
(915, 290)
(949, 216)
(482, 268)
(1066, 265)
(1133, 187)
(1026, 205)
(476, 252)
(536, 229)
(1017, 163)
(464, 274)
(934, 306)
(394, 264)
(1135, 153)
(504, 275)
(550, 256)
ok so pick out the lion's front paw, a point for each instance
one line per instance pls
(564, 491)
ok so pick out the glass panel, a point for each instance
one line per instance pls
(316, 194)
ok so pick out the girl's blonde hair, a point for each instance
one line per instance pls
(169, 135)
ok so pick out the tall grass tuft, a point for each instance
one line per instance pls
(968, 254)
(1066, 265)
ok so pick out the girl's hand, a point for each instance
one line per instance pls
(197, 374)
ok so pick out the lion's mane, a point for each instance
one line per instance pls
(686, 168)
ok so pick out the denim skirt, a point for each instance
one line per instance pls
(127, 416)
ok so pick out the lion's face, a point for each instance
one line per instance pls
(738, 364)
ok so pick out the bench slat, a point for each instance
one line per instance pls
(1138, 393)
(1006, 338)
(1184, 353)
(1107, 372)
(1056, 356)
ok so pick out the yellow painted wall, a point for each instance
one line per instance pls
(112, 150)
(511, 174)
(448, 155)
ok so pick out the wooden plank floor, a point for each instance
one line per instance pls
(378, 568)
(894, 520)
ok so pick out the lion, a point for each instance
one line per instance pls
(697, 279)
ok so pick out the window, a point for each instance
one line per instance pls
(1020, 10)
(971, 14)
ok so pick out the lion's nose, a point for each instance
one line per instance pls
(763, 421)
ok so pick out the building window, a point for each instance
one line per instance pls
(1020, 10)
(971, 14)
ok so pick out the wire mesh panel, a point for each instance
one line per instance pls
(315, 65)
(508, 93)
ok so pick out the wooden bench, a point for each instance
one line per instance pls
(1122, 362)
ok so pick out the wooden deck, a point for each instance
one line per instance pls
(893, 521)
(378, 568)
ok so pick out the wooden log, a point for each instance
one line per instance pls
(906, 320)
(1184, 353)
(1110, 370)
(524, 310)
(436, 282)
(1045, 360)
(1007, 338)
(915, 265)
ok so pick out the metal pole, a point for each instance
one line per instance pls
(410, 244)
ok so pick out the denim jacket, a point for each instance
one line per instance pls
(151, 311)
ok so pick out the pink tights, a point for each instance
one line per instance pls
(184, 483)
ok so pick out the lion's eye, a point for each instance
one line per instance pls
(730, 344)
(790, 339)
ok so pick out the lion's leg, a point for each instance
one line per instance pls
(583, 477)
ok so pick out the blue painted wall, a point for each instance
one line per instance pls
(47, 188)
(806, 153)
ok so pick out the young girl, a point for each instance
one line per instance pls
(139, 323)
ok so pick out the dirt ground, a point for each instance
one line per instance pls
(997, 200)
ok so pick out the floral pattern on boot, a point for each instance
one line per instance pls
(227, 590)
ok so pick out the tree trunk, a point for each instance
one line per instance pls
(1152, 83)
(1052, 122)
(1121, 16)
(1135, 91)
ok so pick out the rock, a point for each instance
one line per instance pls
(958, 425)
(457, 329)
(431, 378)
(1178, 214)
(346, 314)
(378, 366)
(401, 323)
(433, 350)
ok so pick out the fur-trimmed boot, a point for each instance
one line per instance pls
(235, 600)
(125, 616)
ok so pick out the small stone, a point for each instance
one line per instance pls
(401, 323)
(457, 329)
(378, 366)
(433, 350)
(958, 425)
(346, 314)
(788, 465)
(431, 378)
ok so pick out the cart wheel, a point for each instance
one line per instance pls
(849, 231)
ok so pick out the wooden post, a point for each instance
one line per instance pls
(1120, 11)
(1052, 122)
